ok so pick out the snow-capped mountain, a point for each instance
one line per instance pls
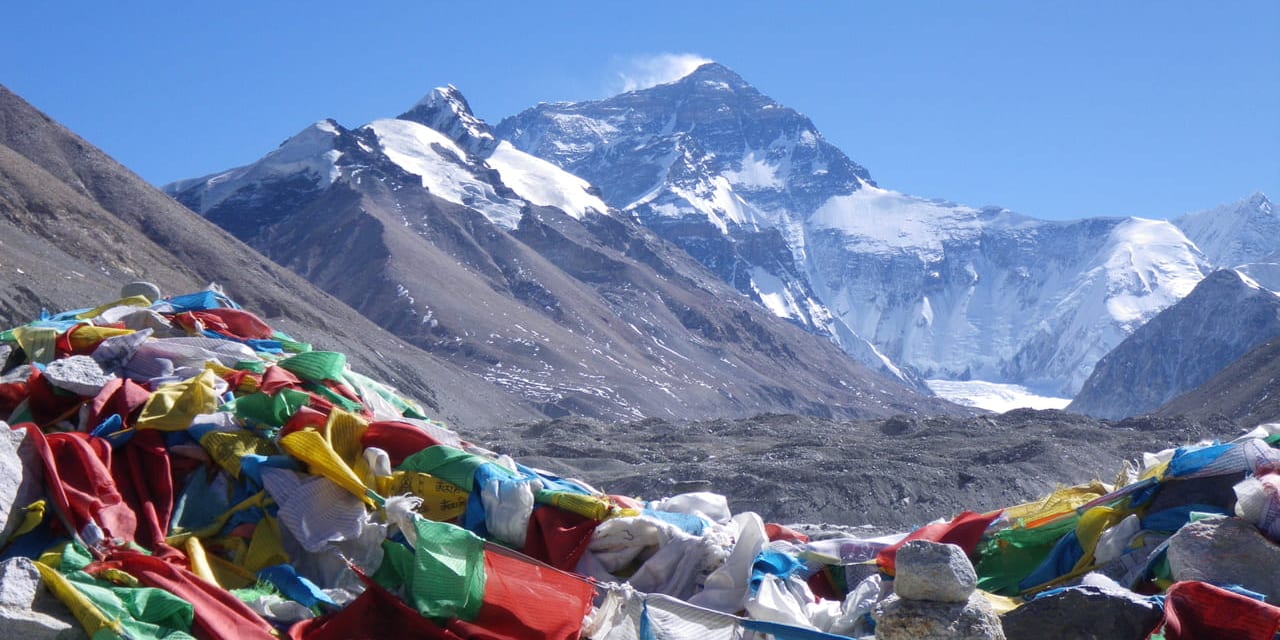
(516, 270)
(752, 190)
(1185, 345)
(724, 195)
(1243, 235)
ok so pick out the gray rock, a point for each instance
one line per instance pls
(17, 374)
(33, 625)
(1083, 613)
(934, 572)
(1226, 550)
(80, 375)
(899, 619)
(20, 478)
(141, 288)
(19, 582)
(27, 610)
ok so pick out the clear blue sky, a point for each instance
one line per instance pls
(1054, 109)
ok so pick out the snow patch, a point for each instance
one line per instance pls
(443, 168)
(878, 219)
(311, 151)
(773, 292)
(756, 173)
(543, 183)
(1150, 266)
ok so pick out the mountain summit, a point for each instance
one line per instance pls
(517, 271)
(446, 110)
(753, 191)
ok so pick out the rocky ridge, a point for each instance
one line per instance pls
(1227, 315)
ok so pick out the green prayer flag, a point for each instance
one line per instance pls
(317, 365)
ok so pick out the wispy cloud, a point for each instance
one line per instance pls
(643, 72)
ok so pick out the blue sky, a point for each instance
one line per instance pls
(1057, 110)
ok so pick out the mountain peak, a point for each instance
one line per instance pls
(447, 111)
(714, 72)
(1258, 202)
(1234, 234)
(447, 96)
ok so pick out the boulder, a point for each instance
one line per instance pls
(1083, 613)
(141, 288)
(1225, 551)
(27, 611)
(934, 572)
(900, 619)
(19, 582)
(80, 375)
(20, 478)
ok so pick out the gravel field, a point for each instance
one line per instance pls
(890, 474)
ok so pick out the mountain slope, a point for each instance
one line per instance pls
(1184, 346)
(514, 269)
(75, 226)
(751, 189)
(1243, 235)
(1246, 391)
(1234, 234)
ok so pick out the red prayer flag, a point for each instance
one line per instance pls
(558, 537)
(218, 614)
(527, 601)
(78, 479)
(964, 531)
(1201, 611)
(375, 615)
(398, 439)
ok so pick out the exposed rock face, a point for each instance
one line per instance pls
(931, 571)
(1226, 551)
(1181, 348)
(1246, 391)
(1083, 613)
(446, 110)
(901, 619)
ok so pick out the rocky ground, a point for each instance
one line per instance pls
(890, 474)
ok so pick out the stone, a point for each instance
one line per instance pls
(900, 619)
(141, 288)
(1226, 550)
(1083, 613)
(19, 582)
(27, 610)
(33, 625)
(21, 478)
(933, 572)
(80, 375)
